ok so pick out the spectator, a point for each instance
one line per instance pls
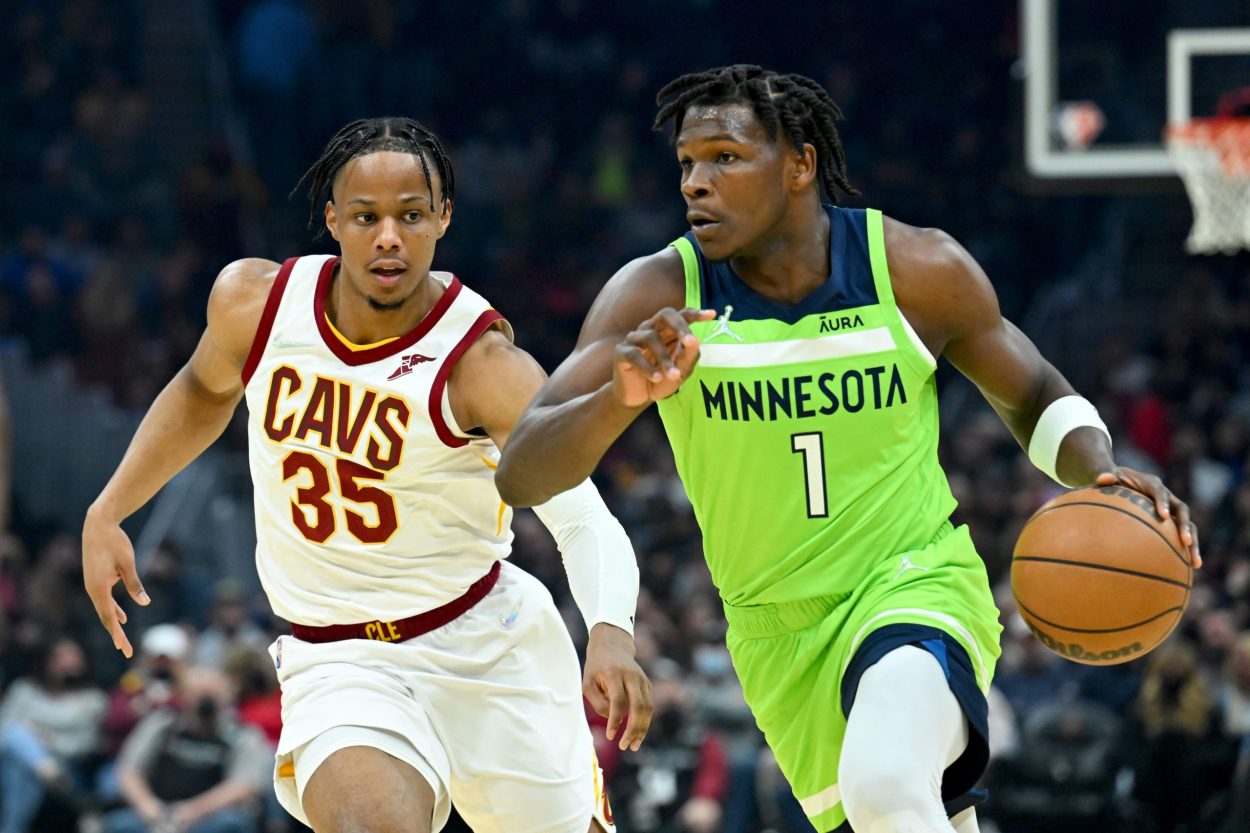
(1175, 771)
(1235, 706)
(173, 594)
(49, 733)
(719, 703)
(260, 705)
(149, 685)
(195, 770)
(229, 628)
(6, 459)
(256, 691)
(1028, 674)
(677, 781)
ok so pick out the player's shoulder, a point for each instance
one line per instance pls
(922, 249)
(246, 278)
(238, 300)
(493, 345)
(659, 271)
(493, 372)
(638, 290)
(935, 280)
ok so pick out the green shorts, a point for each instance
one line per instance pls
(791, 657)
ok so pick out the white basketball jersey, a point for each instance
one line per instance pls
(371, 503)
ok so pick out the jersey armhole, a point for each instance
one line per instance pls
(451, 434)
(690, 265)
(261, 339)
(905, 337)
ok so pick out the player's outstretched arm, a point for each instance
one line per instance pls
(489, 389)
(188, 415)
(618, 368)
(948, 299)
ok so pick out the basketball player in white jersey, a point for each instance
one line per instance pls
(422, 667)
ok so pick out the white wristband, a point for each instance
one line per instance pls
(1060, 418)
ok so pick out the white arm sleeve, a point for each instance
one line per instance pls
(599, 560)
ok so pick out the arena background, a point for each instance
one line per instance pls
(146, 143)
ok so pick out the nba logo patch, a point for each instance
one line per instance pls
(277, 655)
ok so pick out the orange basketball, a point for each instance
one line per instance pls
(1099, 579)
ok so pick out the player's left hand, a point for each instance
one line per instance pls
(1167, 505)
(616, 686)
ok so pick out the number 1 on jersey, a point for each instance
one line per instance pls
(812, 447)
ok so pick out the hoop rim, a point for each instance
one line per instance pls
(1211, 129)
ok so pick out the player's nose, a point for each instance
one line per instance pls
(387, 238)
(696, 184)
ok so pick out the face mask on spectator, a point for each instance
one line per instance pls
(206, 711)
(710, 661)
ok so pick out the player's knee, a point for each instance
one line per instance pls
(350, 816)
(899, 821)
(375, 823)
(887, 800)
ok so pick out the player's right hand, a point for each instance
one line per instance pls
(107, 558)
(651, 362)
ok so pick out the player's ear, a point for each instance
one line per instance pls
(331, 219)
(802, 167)
(444, 219)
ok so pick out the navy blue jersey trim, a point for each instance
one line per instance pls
(959, 780)
(849, 285)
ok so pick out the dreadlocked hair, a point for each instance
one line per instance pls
(791, 102)
(365, 136)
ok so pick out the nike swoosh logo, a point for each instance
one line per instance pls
(290, 345)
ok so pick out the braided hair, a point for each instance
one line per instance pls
(793, 103)
(365, 136)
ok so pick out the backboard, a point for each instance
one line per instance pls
(1103, 80)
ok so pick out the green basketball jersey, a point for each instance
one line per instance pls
(807, 435)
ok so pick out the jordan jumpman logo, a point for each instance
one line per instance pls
(722, 326)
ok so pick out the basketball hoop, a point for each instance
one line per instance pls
(1212, 157)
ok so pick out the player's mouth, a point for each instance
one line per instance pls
(388, 272)
(702, 223)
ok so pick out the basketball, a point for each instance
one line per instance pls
(1098, 577)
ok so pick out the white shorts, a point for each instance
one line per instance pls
(488, 708)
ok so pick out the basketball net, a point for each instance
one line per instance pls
(1212, 157)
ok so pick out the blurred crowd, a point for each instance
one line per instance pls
(109, 245)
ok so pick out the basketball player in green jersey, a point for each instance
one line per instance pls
(860, 620)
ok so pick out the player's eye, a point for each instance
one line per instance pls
(686, 163)
(412, 216)
(725, 157)
(364, 218)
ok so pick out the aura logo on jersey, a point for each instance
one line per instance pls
(805, 396)
(830, 324)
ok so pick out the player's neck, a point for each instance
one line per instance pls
(361, 323)
(791, 260)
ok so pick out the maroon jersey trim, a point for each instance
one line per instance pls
(356, 358)
(266, 319)
(481, 325)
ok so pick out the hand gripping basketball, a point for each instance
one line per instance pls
(1102, 576)
(1167, 504)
